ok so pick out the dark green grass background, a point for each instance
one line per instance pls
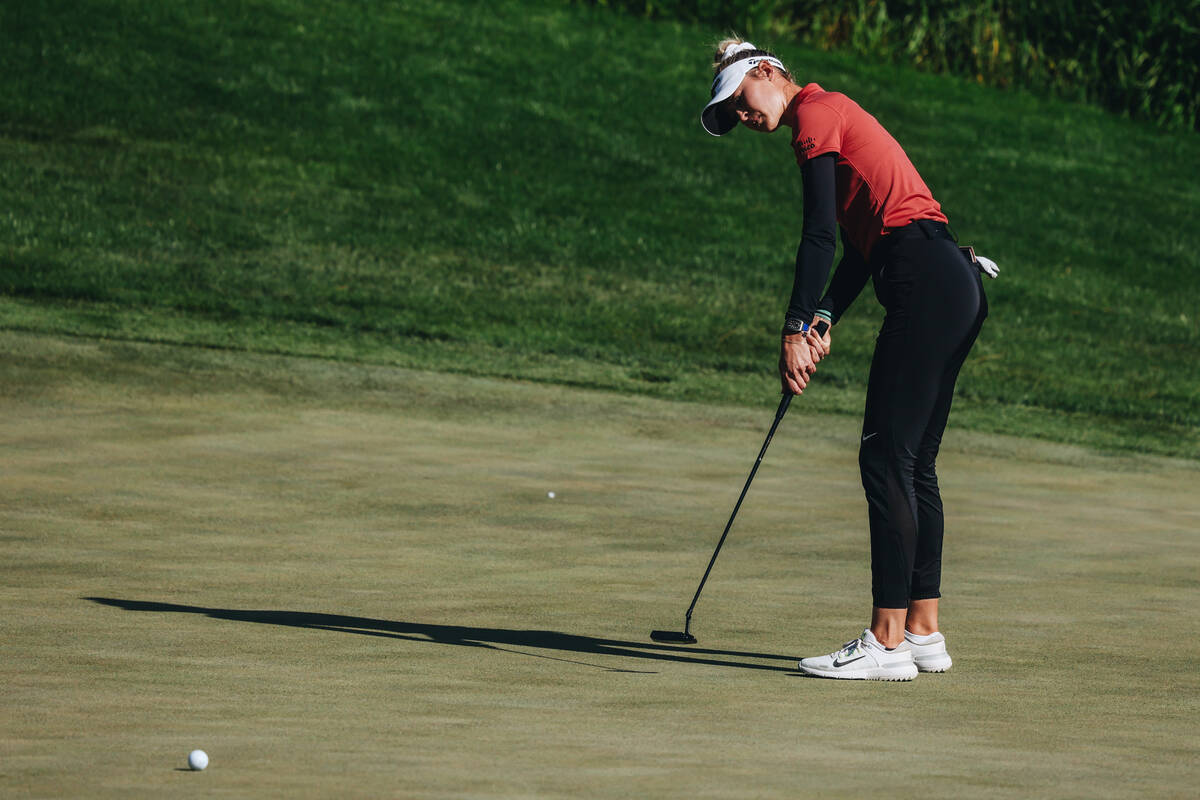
(1139, 59)
(523, 190)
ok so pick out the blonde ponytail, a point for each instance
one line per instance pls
(722, 47)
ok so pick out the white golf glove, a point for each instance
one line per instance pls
(987, 266)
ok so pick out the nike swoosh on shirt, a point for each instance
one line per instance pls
(869, 435)
(837, 663)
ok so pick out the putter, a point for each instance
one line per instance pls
(685, 637)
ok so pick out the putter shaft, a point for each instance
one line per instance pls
(784, 402)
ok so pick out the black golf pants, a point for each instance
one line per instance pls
(935, 307)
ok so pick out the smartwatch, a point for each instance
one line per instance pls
(794, 326)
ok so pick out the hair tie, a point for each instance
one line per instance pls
(737, 48)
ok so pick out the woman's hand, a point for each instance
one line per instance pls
(795, 362)
(817, 343)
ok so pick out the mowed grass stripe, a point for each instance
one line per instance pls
(527, 194)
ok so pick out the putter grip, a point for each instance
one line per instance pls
(821, 327)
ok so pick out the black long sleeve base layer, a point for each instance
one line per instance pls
(935, 308)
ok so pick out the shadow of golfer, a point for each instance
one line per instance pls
(491, 638)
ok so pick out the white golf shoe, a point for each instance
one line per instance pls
(864, 659)
(929, 652)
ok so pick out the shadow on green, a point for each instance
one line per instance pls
(490, 638)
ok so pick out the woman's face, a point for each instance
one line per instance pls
(758, 103)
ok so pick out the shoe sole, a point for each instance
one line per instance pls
(935, 665)
(888, 675)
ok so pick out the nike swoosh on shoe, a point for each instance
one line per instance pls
(839, 664)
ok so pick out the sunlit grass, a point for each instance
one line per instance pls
(524, 191)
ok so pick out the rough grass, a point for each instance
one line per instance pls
(346, 580)
(532, 197)
(1136, 59)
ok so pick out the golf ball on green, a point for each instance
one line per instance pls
(197, 759)
(550, 495)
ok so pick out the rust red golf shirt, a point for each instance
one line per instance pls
(878, 188)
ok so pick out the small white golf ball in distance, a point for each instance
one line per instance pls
(197, 759)
(550, 495)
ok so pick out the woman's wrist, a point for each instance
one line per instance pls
(794, 327)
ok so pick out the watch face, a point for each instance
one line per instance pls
(795, 326)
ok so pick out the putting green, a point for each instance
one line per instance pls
(350, 581)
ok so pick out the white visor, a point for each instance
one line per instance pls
(718, 120)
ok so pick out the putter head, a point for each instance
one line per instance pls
(675, 637)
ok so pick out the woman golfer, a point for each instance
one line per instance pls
(857, 177)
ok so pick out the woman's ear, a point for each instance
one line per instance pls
(768, 72)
